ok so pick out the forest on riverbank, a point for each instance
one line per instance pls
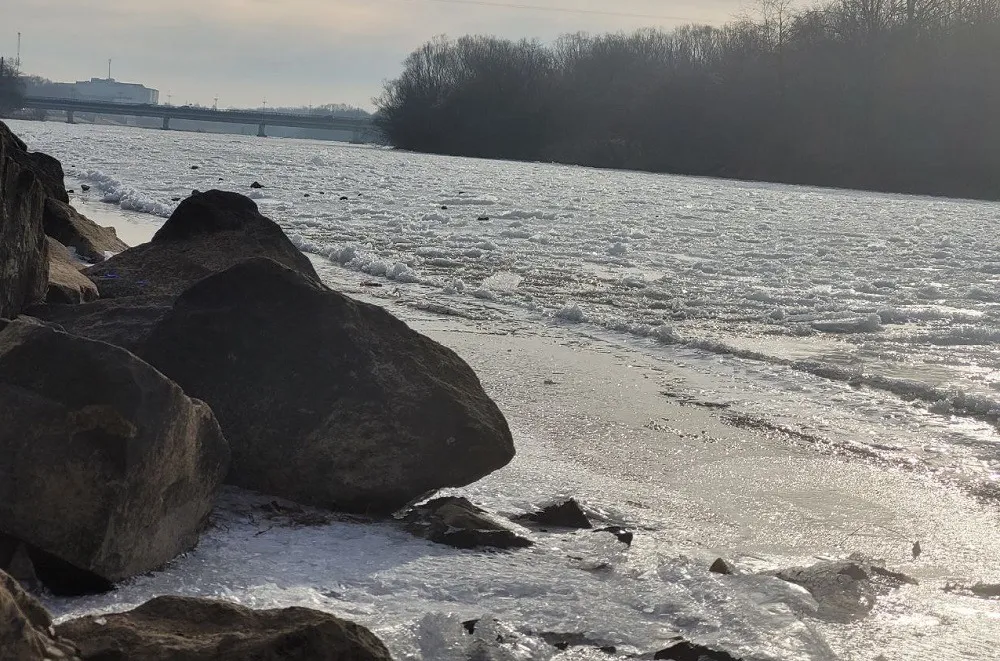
(894, 95)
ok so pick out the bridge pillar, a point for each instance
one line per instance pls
(69, 117)
(260, 131)
(166, 123)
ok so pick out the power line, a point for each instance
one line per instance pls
(561, 10)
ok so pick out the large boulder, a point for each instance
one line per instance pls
(325, 400)
(189, 629)
(26, 627)
(207, 233)
(66, 283)
(107, 469)
(46, 169)
(24, 260)
(72, 229)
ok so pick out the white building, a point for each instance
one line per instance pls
(97, 89)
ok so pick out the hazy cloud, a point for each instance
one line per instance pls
(289, 51)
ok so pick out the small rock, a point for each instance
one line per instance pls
(567, 514)
(444, 207)
(470, 625)
(564, 641)
(624, 536)
(721, 566)
(305, 195)
(344, 197)
(457, 522)
(322, 192)
(175, 199)
(684, 650)
(84, 187)
(221, 179)
(70, 191)
(256, 184)
(483, 218)
(194, 167)
(985, 590)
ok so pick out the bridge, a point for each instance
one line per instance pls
(360, 128)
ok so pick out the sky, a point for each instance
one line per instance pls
(292, 52)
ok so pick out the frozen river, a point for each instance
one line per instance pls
(837, 328)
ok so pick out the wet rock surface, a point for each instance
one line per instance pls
(189, 629)
(457, 522)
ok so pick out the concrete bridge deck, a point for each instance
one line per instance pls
(359, 127)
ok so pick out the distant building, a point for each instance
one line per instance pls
(96, 89)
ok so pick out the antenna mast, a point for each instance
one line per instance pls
(109, 68)
(17, 60)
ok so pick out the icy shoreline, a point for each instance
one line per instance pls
(592, 419)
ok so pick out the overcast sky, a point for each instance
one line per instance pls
(291, 52)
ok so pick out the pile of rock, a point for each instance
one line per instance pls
(132, 389)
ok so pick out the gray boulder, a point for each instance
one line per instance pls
(188, 629)
(107, 469)
(325, 400)
(457, 522)
(24, 263)
(207, 233)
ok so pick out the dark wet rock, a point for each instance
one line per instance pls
(195, 167)
(457, 522)
(684, 650)
(325, 400)
(66, 284)
(721, 566)
(70, 228)
(26, 627)
(564, 641)
(985, 590)
(444, 207)
(470, 626)
(845, 590)
(125, 322)
(567, 514)
(624, 536)
(344, 197)
(189, 629)
(24, 260)
(107, 469)
(84, 187)
(206, 234)
(175, 199)
(483, 218)
(256, 185)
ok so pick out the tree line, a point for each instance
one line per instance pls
(895, 95)
(11, 88)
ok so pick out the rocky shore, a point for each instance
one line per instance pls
(136, 382)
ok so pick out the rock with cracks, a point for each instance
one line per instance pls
(26, 627)
(107, 469)
(207, 233)
(457, 522)
(189, 629)
(24, 260)
(325, 400)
